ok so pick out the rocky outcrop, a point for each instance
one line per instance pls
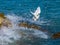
(56, 35)
(32, 25)
(25, 24)
(4, 21)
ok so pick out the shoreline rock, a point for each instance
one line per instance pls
(33, 26)
(4, 21)
(56, 35)
(25, 24)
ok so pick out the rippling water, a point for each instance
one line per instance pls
(17, 10)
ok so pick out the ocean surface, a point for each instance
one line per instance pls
(49, 17)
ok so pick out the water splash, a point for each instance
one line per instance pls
(15, 32)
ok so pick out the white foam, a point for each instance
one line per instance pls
(14, 32)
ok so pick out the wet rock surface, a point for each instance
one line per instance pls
(4, 21)
(25, 24)
(32, 26)
(56, 35)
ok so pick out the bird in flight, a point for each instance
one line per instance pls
(36, 14)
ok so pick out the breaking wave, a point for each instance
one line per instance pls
(16, 33)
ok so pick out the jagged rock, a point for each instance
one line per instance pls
(4, 21)
(25, 24)
(32, 26)
(56, 35)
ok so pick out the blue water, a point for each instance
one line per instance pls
(50, 11)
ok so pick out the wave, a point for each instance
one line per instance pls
(9, 35)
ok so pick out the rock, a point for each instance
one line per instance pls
(56, 35)
(4, 21)
(25, 24)
(33, 26)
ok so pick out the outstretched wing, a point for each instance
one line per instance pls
(37, 12)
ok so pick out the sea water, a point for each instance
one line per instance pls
(17, 10)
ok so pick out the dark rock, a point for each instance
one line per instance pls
(56, 35)
(25, 24)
